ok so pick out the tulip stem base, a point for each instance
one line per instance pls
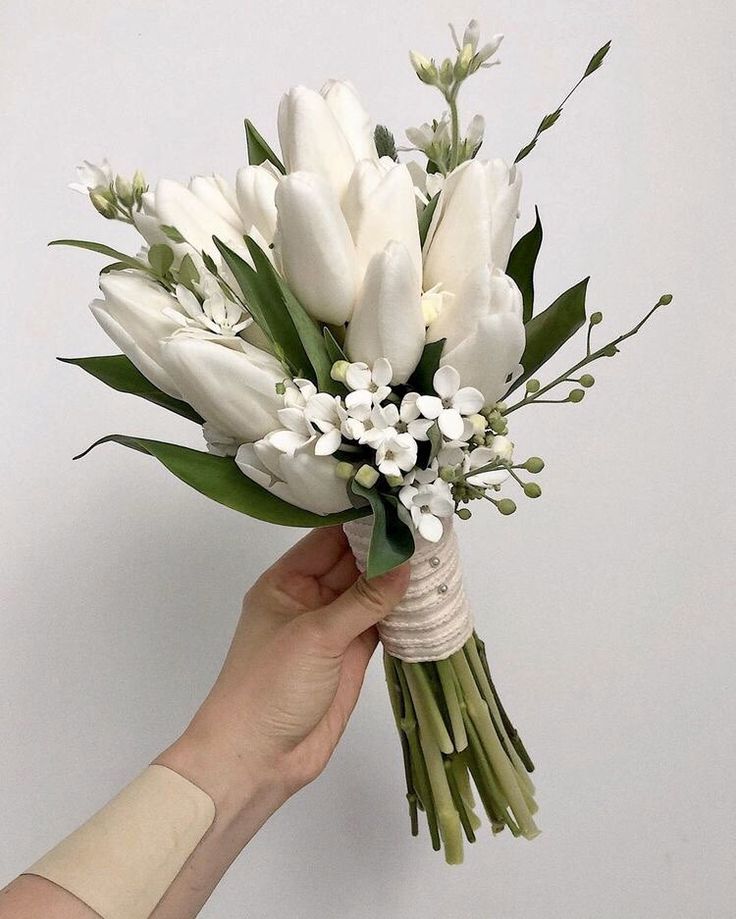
(455, 733)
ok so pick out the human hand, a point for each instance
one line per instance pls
(292, 676)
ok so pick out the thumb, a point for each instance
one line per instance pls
(362, 606)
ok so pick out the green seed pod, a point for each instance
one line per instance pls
(596, 318)
(532, 490)
(587, 380)
(534, 465)
(506, 506)
(532, 385)
(576, 395)
(464, 513)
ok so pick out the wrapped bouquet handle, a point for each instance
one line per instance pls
(451, 722)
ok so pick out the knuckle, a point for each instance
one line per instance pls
(368, 595)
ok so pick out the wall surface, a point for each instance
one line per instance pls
(607, 605)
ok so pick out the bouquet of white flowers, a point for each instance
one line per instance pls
(349, 330)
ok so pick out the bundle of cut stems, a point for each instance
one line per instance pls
(453, 728)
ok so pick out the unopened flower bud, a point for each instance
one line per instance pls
(498, 424)
(447, 474)
(124, 191)
(576, 395)
(502, 447)
(464, 513)
(339, 371)
(665, 300)
(596, 318)
(534, 465)
(424, 68)
(587, 380)
(479, 425)
(463, 62)
(532, 386)
(610, 351)
(102, 205)
(344, 470)
(366, 476)
(532, 490)
(505, 506)
(280, 389)
(395, 480)
(140, 186)
(447, 72)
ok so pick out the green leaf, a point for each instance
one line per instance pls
(121, 257)
(525, 151)
(187, 273)
(392, 541)
(597, 59)
(266, 304)
(173, 234)
(429, 362)
(547, 332)
(160, 258)
(546, 123)
(385, 143)
(334, 350)
(258, 150)
(522, 262)
(425, 218)
(218, 478)
(114, 266)
(308, 331)
(117, 371)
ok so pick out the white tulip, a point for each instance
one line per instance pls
(315, 247)
(284, 462)
(216, 193)
(255, 187)
(197, 221)
(380, 206)
(229, 382)
(388, 321)
(354, 121)
(473, 223)
(312, 140)
(138, 315)
(484, 332)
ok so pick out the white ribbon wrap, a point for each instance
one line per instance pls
(433, 620)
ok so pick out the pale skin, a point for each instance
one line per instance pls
(269, 725)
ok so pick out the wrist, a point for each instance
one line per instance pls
(245, 791)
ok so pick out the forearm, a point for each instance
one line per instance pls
(244, 798)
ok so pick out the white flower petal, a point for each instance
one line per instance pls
(430, 528)
(429, 406)
(446, 382)
(451, 423)
(328, 443)
(358, 376)
(382, 372)
(468, 400)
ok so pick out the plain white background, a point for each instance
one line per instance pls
(607, 605)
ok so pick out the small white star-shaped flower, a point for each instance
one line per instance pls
(452, 404)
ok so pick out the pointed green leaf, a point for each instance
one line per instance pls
(548, 120)
(117, 371)
(308, 331)
(187, 273)
(266, 304)
(102, 249)
(173, 234)
(258, 150)
(114, 266)
(334, 350)
(429, 362)
(548, 331)
(425, 218)
(522, 262)
(392, 541)
(597, 59)
(218, 478)
(436, 440)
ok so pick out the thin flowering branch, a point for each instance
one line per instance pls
(609, 350)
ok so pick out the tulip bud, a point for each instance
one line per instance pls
(355, 123)
(315, 247)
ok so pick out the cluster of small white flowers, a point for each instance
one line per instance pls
(371, 414)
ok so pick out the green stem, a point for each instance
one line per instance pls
(454, 127)
(458, 801)
(481, 717)
(428, 713)
(444, 670)
(397, 707)
(419, 770)
(447, 816)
